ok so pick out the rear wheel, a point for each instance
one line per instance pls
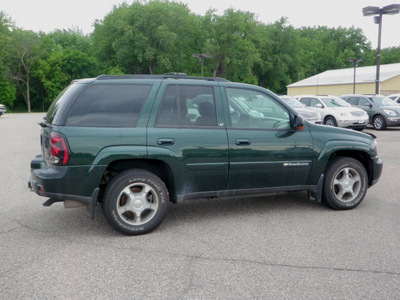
(379, 122)
(135, 202)
(345, 183)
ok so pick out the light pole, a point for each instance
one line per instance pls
(201, 59)
(354, 62)
(391, 9)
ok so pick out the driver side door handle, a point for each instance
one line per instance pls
(243, 142)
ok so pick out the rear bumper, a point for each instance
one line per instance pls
(56, 183)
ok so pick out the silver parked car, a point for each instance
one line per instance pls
(310, 115)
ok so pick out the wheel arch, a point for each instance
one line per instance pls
(362, 157)
(329, 116)
(379, 114)
(157, 167)
(361, 151)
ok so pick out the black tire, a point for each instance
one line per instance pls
(135, 202)
(379, 123)
(330, 121)
(345, 183)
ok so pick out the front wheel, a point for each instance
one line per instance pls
(330, 121)
(345, 183)
(379, 123)
(135, 202)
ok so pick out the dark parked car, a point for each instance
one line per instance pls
(2, 109)
(137, 143)
(382, 111)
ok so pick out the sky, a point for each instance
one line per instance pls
(49, 15)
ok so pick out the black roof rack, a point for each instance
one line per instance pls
(163, 76)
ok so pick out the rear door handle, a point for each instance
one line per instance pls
(242, 142)
(165, 142)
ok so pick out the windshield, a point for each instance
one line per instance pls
(383, 101)
(293, 102)
(335, 102)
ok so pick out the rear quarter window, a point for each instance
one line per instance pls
(109, 105)
(61, 102)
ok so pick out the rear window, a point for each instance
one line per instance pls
(109, 105)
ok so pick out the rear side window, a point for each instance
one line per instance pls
(187, 106)
(364, 102)
(109, 105)
(314, 102)
(353, 101)
(305, 101)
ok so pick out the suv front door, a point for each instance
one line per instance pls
(264, 151)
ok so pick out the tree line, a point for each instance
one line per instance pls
(158, 37)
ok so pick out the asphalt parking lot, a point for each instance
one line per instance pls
(277, 247)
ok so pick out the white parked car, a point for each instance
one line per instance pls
(2, 109)
(309, 114)
(335, 111)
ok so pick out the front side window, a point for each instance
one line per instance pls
(185, 105)
(252, 109)
(364, 102)
(109, 105)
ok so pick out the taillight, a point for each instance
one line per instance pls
(59, 151)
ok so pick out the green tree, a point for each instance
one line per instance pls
(230, 39)
(58, 70)
(278, 46)
(151, 38)
(7, 87)
(72, 39)
(24, 51)
(323, 48)
(390, 55)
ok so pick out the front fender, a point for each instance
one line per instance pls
(335, 146)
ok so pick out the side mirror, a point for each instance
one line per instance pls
(298, 122)
(319, 105)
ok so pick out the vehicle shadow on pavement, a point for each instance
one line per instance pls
(203, 210)
(56, 220)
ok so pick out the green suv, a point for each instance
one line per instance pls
(136, 143)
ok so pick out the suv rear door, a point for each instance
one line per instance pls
(187, 131)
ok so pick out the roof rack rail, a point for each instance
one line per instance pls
(163, 76)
